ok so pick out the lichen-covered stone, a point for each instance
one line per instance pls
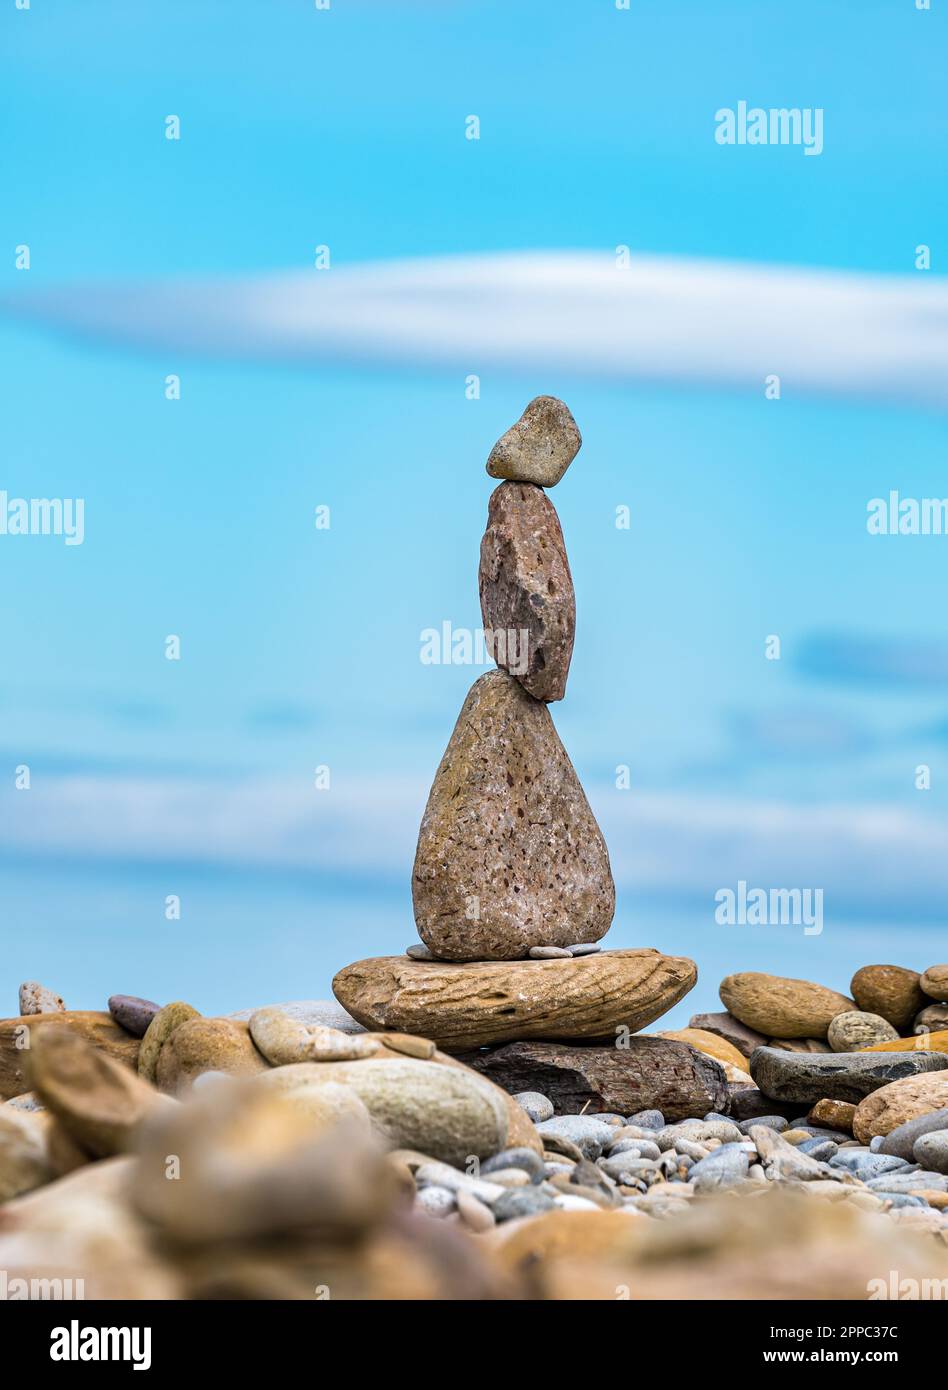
(526, 590)
(509, 853)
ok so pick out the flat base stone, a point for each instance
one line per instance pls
(478, 1003)
(809, 1077)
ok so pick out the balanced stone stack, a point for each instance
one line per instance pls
(512, 887)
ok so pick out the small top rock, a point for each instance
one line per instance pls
(539, 447)
(37, 999)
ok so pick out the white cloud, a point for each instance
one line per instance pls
(878, 856)
(662, 319)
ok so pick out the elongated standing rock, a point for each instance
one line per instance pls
(526, 589)
(509, 853)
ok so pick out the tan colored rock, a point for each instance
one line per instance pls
(781, 1007)
(850, 1032)
(24, 1159)
(725, 1026)
(833, 1114)
(509, 853)
(97, 1028)
(918, 1042)
(165, 1021)
(932, 1019)
(37, 999)
(302, 1085)
(484, 1002)
(539, 447)
(889, 990)
(526, 590)
(899, 1102)
(408, 1045)
(99, 1101)
(207, 1044)
(711, 1045)
(283, 1040)
(934, 981)
(815, 1045)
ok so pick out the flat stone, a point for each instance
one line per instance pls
(509, 853)
(889, 990)
(709, 1043)
(782, 1007)
(16, 1033)
(522, 1201)
(477, 1003)
(37, 999)
(549, 953)
(206, 1044)
(325, 1013)
(535, 1105)
(526, 590)
(723, 1168)
(539, 447)
(584, 948)
(132, 1014)
(99, 1101)
(418, 952)
(836, 1114)
(790, 1076)
(526, 1160)
(649, 1072)
(893, 1105)
(589, 1135)
(284, 1040)
(726, 1026)
(931, 1150)
(934, 981)
(901, 1140)
(854, 1030)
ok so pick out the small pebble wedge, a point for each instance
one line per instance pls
(539, 447)
(283, 1040)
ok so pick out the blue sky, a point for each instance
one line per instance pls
(301, 647)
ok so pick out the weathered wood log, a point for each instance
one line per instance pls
(98, 1028)
(648, 1073)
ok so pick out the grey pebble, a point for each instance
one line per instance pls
(527, 1160)
(647, 1119)
(584, 948)
(644, 1148)
(538, 1106)
(436, 1201)
(589, 1135)
(132, 1014)
(901, 1140)
(619, 1164)
(723, 1168)
(866, 1165)
(909, 1182)
(549, 953)
(821, 1149)
(901, 1199)
(521, 1201)
(418, 952)
(775, 1122)
(932, 1150)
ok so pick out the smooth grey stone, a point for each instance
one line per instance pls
(589, 1135)
(822, 1149)
(314, 1012)
(609, 1118)
(618, 1164)
(712, 1117)
(643, 1147)
(647, 1119)
(539, 1107)
(723, 1168)
(851, 1076)
(901, 1140)
(866, 1165)
(132, 1014)
(436, 1201)
(418, 951)
(875, 1143)
(521, 1201)
(584, 948)
(907, 1182)
(775, 1122)
(931, 1150)
(902, 1199)
(549, 953)
(526, 1159)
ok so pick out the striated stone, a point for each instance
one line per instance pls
(476, 1003)
(918, 1042)
(24, 1159)
(889, 990)
(283, 1040)
(97, 1100)
(526, 590)
(852, 1031)
(789, 1076)
(16, 1035)
(539, 447)
(159, 1030)
(37, 999)
(649, 1072)
(725, 1026)
(132, 1014)
(781, 1007)
(899, 1102)
(834, 1114)
(932, 1019)
(448, 1112)
(900, 1142)
(509, 853)
(206, 1044)
(934, 981)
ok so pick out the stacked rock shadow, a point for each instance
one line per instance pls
(512, 888)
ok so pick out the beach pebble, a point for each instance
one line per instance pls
(584, 948)
(284, 1040)
(776, 1122)
(418, 951)
(37, 999)
(436, 1201)
(526, 1160)
(537, 1106)
(589, 1135)
(647, 1119)
(901, 1140)
(853, 1030)
(549, 952)
(474, 1214)
(723, 1168)
(521, 1201)
(132, 1014)
(931, 1150)
(539, 447)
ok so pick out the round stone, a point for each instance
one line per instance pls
(537, 1106)
(851, 1031)
(132, 1014)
